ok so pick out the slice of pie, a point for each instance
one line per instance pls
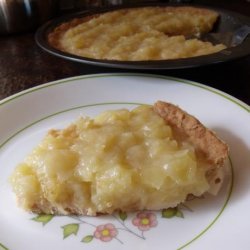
(138, 34)
(152, 157)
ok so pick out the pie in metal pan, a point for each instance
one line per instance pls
(218, 21)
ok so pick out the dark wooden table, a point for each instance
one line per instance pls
(23, 65)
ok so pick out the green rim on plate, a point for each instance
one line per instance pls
(2, 247)
(99, 104)
(215, 91)
(68, 80)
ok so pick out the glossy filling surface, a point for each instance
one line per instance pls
(138, 34)
(94, 166)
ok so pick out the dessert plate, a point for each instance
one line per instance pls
(228, 23)
(210, 222)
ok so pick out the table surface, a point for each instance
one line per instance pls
(23, 65)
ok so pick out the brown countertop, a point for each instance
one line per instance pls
(23, 65)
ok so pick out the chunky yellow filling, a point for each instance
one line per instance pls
(120, 160)
(151, 33)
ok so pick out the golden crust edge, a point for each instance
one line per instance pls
(206, 142)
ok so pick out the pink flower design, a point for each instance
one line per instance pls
(145, 220)
(105, 232)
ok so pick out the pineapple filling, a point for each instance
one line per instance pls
(138, 34)
(120, 160)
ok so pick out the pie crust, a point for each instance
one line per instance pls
(160, 154)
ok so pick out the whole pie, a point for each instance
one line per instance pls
(138, 34)
(151, 157)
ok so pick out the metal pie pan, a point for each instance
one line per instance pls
(228, 22)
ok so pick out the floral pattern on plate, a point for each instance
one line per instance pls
(136, 224)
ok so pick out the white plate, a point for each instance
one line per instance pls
(221, 222)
